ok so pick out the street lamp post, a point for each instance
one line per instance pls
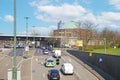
(61, 32)
(14, 75)
(105, 44)
(26, 30)
(34, 36)
(54, 43)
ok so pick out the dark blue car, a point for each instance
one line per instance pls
(54, 74)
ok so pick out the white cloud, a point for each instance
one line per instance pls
(115, 3)
(42, 2)
(90, 17)
(63, 12)
(111, 16)
(38, 2)
(109, 19)
(42, 30)
(75, 12)
(8, 18)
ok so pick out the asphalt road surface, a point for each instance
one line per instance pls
(32, 67)
(39, 71)
(6, 62)
(19, 52)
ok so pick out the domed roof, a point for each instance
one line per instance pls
(69, 25)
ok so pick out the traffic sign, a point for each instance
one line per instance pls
(79, 43)
(90, 54)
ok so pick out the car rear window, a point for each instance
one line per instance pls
(50, 61)
(55, 74)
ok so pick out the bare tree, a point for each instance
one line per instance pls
(91, 31)
(112, 37)
(51, 32)
(35, 32)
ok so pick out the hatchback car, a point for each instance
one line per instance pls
(46, 51)
(54, 74)
(50, 62)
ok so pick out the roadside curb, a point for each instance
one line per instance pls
(86, 66)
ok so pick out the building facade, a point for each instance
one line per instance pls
(71, 32)
(70, 36)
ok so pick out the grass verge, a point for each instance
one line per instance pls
(111, 51)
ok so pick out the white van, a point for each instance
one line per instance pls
(57, 53)
(67, 68)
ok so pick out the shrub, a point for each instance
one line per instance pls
(118, 45)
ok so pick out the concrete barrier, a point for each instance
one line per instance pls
(109, 64)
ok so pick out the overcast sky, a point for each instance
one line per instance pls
(45, 14)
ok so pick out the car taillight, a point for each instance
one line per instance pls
(58, 75)
(64, 70)
(51, 75)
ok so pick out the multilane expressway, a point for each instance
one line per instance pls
(32, 67)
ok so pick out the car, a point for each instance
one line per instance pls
(46, 51)
(8, 46)
(67, 68)
(50, 62)
(43, 47)
(54, 74)
(57, 54)
(53, 51)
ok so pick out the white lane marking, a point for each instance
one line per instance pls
(63, 59)
(60, 75)
(70, 60)
(42, 63)
(31, 67)
(36, 59)
(43, 75)
(79, 76)
(3, 57)
(20, 63)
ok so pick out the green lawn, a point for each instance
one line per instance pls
(110, 51)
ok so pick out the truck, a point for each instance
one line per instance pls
(57, 53)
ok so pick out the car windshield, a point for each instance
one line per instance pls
(54, 74)
(46, 50)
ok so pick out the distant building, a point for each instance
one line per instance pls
(70, 32)
(78, 33)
